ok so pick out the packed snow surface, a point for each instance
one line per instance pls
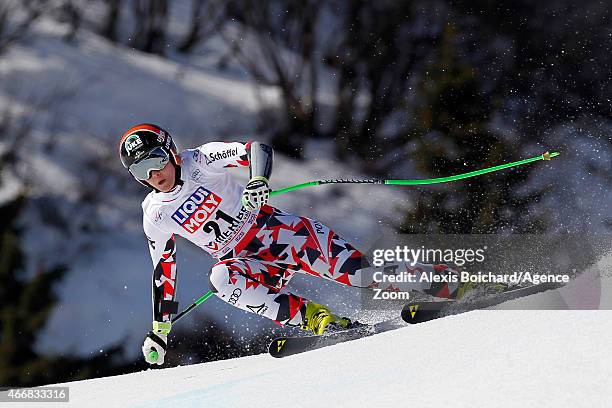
(493, 358)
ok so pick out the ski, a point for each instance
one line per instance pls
(286, 346)
(424, 311)
(413, 313)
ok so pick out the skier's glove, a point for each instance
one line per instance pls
(156, 343)
(256, 193)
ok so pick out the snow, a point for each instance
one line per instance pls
(10, 186)
(502, 358)
(528, 352)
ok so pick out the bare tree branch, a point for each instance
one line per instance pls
(207, 16)
(17, 18)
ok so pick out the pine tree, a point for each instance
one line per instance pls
(27, 302)
(453, 135)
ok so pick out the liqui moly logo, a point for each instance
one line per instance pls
(194, 212)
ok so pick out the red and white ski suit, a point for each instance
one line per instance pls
(259, 251)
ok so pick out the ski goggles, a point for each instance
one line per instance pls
(155, 160)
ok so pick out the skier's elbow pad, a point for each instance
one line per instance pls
(261, 157)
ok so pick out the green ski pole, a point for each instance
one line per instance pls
(545, 156)
(153, 354)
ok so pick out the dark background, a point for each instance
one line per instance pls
(427, 88)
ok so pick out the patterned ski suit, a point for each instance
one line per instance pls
(259, 251)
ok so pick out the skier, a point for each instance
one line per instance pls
(259, 248)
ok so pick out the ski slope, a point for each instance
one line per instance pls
(493, 358)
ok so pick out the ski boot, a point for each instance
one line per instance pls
(319, 319)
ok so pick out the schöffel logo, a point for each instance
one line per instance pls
(194, 212)
(212, 157)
